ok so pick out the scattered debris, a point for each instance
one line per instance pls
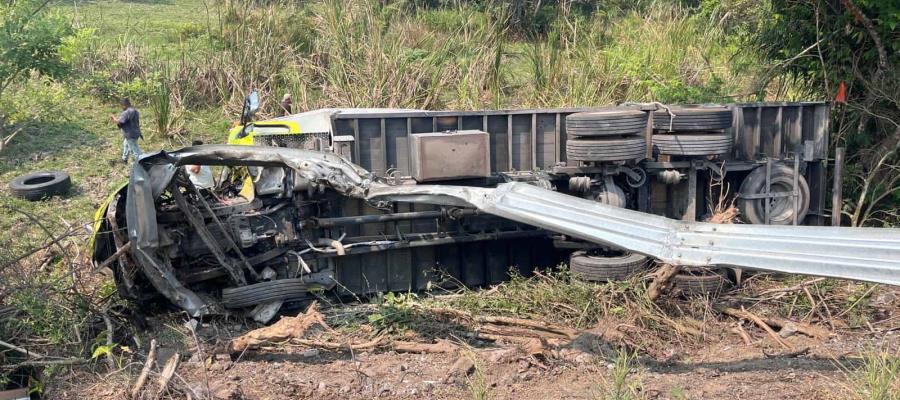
(145, 372)
(286, 328)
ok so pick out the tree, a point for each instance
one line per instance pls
(30, 39)
(827, 43)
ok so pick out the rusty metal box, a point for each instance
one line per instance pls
(450, 155)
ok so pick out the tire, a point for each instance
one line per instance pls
(39, 185)
(612, 122)
(701, 282)
(599, 265)
(264, 292)
(693, 144)
(781, 211)
(689, 119)
(607, 149)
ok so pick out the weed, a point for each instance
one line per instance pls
(477, 382)
(621, 384)
(878, 378)
(396, 313)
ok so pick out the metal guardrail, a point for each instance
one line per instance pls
(866, 254)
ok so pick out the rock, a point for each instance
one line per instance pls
(322, 387)
(345, 389)
(583, 358)
(309, 353)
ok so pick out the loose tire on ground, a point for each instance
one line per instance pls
(264, 292)
(599, 265)
(688, 119)
(781, 209)
(606, 149)
(700, 282)
(702, 144)
(612, 122)
(40, 185)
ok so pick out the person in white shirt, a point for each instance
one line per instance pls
(200, 175)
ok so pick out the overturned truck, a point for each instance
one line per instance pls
(360, 201)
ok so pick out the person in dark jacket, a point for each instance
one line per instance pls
(129, 121)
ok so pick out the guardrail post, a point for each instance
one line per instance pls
(837, 187)
(795, 188)
(768, 198)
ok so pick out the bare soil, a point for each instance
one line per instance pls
(719, 365)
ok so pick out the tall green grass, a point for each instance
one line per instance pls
(369, 53)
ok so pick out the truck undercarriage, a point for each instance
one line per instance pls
(312, 222)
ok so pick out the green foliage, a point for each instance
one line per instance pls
(397, 312)
(878, 378)
(855, 42)
(30, 39)
(551, 295)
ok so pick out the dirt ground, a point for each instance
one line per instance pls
(601, 362)
(726, 369)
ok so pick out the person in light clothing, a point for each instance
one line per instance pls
(200, 175)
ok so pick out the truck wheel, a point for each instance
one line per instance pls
(39, 185)
(699, 282)
(599, 265)
(606, 149)
(781, 209)
(264, 292)
(612, 122)
(691, 119)
(692, 144)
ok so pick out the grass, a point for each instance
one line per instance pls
(877, 378)
(621, 384)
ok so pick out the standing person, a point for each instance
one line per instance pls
(129, 121)
(287, 103)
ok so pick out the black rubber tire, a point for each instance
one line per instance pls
(264, 292)
(691, 119)
(598, 265)
(692, 283)
(611, 122)
(781, 211)
(40, 185)
(607, 149)
(704, 144)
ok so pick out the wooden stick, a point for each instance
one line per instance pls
(21, 350)
(739, 330)
(145, 372)
(167, 373)
(442, 346)
(742, 313)
(662, 278)
(114, 257)
(339, 346)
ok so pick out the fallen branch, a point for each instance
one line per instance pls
(167, 373)
(744, 314)
(339, 346)
(21, 350)
(526, 323)
(47, 363)
(794, 288)
(286, 328)
(663, 276)
(122, 250)
(442, 346)
(739, 330)
(812, 331)
(790, 354)
(145, 372)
